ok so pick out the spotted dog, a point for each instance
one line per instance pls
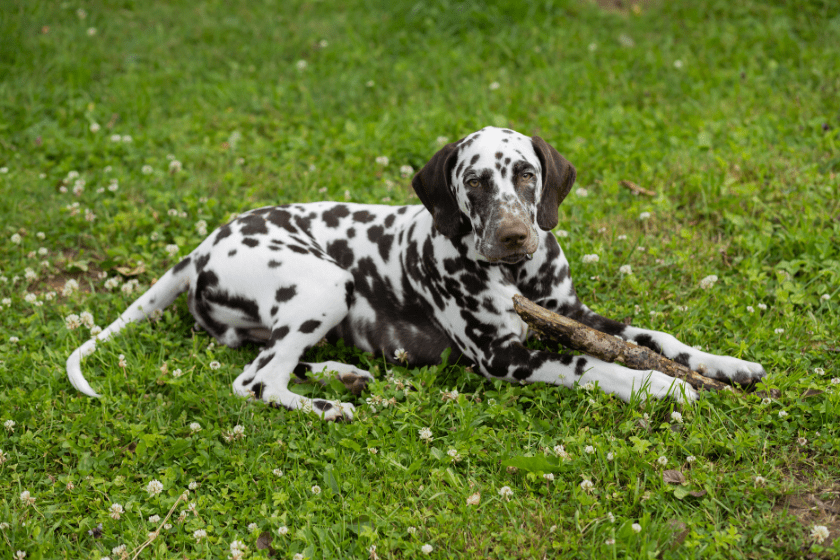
(421, 278)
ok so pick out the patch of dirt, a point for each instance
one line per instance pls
(818, 507)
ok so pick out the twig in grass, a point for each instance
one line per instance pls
(636, 188)
(578, 336)
(156, 532)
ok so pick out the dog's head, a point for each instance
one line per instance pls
(498, 184)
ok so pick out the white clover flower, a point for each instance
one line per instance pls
(589, 449)
(644, 216)
(172, 249)
(199, 534)
(626, 269)
(94, 127)
(678, 64)
(201, 227)
(762, 306)
(154, 518)
(779, 331)
(282, 530)
(610, 456)
(316, 489)
(16, 238)
(72, 321)
(505, 492)
(425, 434)
(750, 309)
(195, 427)
(548, 476)
(412, 530)
(636, 528)
(177, 373)
(802, 441)
(115, 511)
(759, 481)
(239, 430)
(782, 414)
(494, 86)
(122, 363)
(582, 192)
(426, 549)
(401, 355)
(676, 417)
(591, 258)
(4, 170)
(298, 556)
(586, 485)
(663, 460)
(454, 454)
(127, 139)
(610, 517)
(561, 452)
(382, 160)
(373, 450)
(86, 318)
(70, 286)
(441, 140)
(835, 380)
(30, 298)
(27, 498)
(215, 365)
(175, 166)
(406, 171)
(561, 233)
(301, 65)
(690, 459)
(819, 371)
(588, 386)
(474, 499)
(708, 281)
(118, 550)
(112, 283)
(9, 425)
(593, 47)
(14, 339)
(609, 542)
(146, 170)
(277, 472)
(819, 533)
(154, 487)
(825, 297)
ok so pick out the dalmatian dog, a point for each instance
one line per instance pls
(419, 278)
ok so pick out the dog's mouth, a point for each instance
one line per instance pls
(512, 258)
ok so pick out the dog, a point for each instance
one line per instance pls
(413, 280)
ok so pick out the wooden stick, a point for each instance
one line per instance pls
(636, 188)
(578, 336)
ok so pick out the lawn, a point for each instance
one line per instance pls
(128, 130)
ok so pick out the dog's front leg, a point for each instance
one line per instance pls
(512, 361)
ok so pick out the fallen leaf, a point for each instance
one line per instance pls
(673, 477)
(680, 530)
(264, 542)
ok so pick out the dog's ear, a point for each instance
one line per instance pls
(558, 176)
(432, 186)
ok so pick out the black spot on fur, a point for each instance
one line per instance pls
(250, 242)
(274, 309)
(363, 216)
(682, 358)
(389, 221)
(321, 405)
(474, 159)
(201, 262)
(340, 251)
(376, 235)
(309, 327)
(332, 216)
(262, 362)
(648, 342)
(348, 293)
(181, 265)
(274, 264)
(224, 231)
(580, 367)
(297, 249)
(285, 293)
(258, 388)
(253, 224)
(278, 334)
(232, 252)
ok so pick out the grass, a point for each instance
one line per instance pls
(727, 110)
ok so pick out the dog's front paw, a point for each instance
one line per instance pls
(725, 368)
(661, 386)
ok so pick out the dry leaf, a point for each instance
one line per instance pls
(673, 477)
(125, 271)
(264, 542)
(680, 530)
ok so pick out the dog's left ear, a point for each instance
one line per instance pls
(558, 176)
(432, 185)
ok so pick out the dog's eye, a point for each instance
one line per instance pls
(527, 175)
(473, 183)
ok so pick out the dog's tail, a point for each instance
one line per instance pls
(157, 298)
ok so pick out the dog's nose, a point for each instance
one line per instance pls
(513, 234)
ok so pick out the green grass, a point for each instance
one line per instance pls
(739, 140)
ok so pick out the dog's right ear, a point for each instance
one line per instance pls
(432, 185)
